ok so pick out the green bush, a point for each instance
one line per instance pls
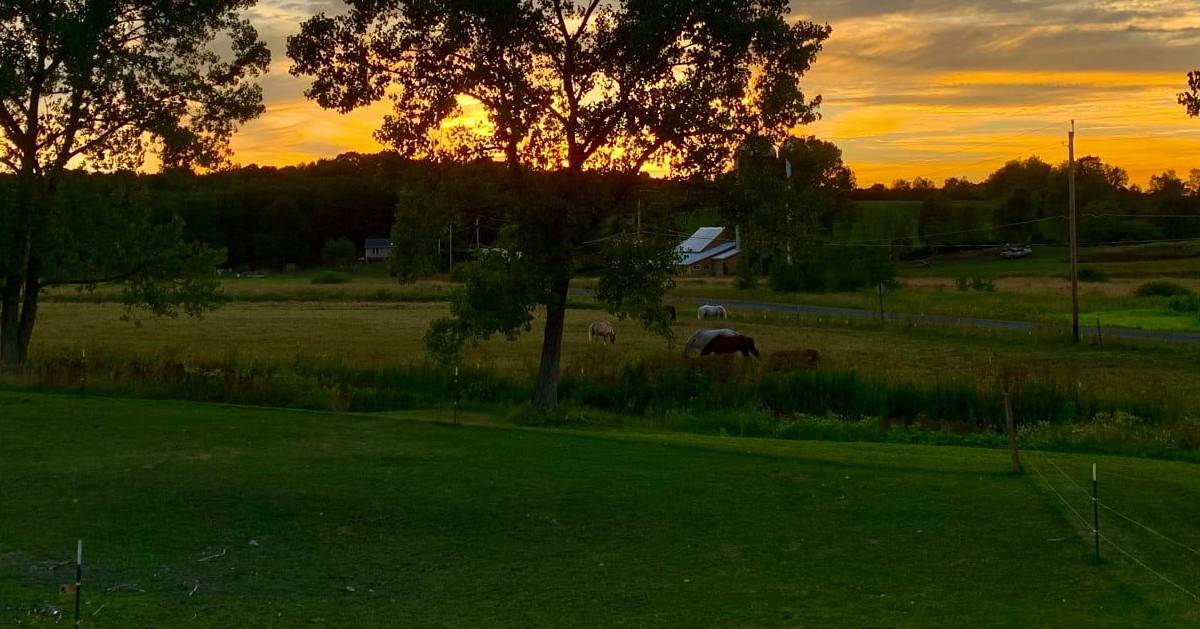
(332, 277)
(339, 252)
(1162, 289)
(1092, 275)
(983, 285)
(1185, 304)
(746, 276)
(975, 283)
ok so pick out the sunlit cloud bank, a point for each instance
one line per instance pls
(928, 88)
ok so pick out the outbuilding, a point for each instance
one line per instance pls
(710, 251)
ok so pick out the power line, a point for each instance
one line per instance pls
(954, 233)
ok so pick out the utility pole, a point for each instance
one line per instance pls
(1074, 242)
(477, 241)
(451, 247)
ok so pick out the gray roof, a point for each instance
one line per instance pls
(727, 254)
(701, 240)
(706, 243)
(373, 243)
(700, 256)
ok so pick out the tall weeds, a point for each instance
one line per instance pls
(661, 388)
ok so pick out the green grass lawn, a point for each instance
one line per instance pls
(349, 521)
(1145, 319)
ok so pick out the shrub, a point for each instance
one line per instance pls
(984, 285)
(975, 283)
(1092, 274)
(1162, 289)
(1185, 304)
(332, 277)
(339, 252)
(746, 277)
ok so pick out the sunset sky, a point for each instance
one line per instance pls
(934, 88)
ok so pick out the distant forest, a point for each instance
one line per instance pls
(268, 217)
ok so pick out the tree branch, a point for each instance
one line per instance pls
(100, 280)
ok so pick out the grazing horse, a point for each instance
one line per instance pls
(702, 338)
(723, 345)
(671, 312)
(708, 312)
(603, 331)
(786, 361)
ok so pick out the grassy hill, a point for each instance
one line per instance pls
(208, 516)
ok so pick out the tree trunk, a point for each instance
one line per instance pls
(10, 308)
(29, 310)
(546, 393)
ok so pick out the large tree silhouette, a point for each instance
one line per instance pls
(573, 87)
(96, 84)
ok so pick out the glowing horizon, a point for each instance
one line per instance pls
(931, 88)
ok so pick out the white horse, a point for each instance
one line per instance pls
(602, 330)
(702, 338)
(709, 312)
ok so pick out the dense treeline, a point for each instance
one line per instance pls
(1029, 197)
(270, 217)
(265, 216)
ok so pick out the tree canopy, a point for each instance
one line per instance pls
(786, 198)
(98, 85)
(566, 87)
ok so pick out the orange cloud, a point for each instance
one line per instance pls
(932, 89)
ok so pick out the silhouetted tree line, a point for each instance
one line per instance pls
(1027, 195)
(265, 216)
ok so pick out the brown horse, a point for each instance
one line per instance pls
(789, 360)
(723, 345)
(671, 312)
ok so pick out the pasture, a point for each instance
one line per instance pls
(1033, 289)
(209, 516)
(383, 334)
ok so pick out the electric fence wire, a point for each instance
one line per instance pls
(1109, 508)
(1089, 526)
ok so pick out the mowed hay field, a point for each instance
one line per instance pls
(380, 334)
(206, 516)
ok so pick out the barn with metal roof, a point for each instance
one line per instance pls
(710, 251)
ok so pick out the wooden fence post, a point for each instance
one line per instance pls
(1010, 425)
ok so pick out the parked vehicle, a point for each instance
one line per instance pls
(1014, 252)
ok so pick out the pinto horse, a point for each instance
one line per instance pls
(724, 345)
